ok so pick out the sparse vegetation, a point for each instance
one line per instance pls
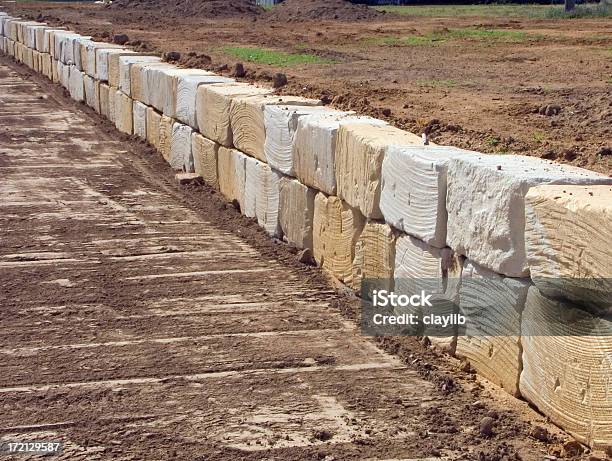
(490, 10)
(273, 57)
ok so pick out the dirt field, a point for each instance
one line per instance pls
(499, 82)
(143, 320)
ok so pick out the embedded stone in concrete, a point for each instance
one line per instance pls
(153, 124)
(296, 212)
(247, 120)
(205, 154)
(213, 105)
(360, 150)
(567, 368)
(280, 125)
(139, 112)
(567, 238)
(336, 228)
(123, 112)
(491, 341)
(486, 205)
(413, 190)
(186, 95)
(181, 157)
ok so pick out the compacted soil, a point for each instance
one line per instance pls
(507, 85)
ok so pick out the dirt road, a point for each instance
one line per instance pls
(144, 321)
(523, 85)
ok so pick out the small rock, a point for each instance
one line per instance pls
(323, 435)
(172, 56)
(386, 112)
(305, 256)
(570, 154)
(486, 426)
(120, 39)
(493, 414)
(609, 451)
(279, 80)
(540, 433)
(187, 178)
(572, 449)
(238, 71)
(325, 99)
(465, 366)
(222, 68)
(605, 151)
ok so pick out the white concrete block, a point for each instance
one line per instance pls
(186, 95)
(143, 85)
(92, 97)
(104, 97)
(77, 54)
(413, 190)
(76, 85)
(124, 118)
(486, 205)
(232, 174)
(360, 151)
(213, 105)
(181, 157)
(268, 201)
(252, 183)
(247, 120)
(374, 261)
(125, 64)
(205, 153)
(166, 126)
(165, 87)
(153, 124)
(139, 112)
(280, 125)
(567, 237)
(112, 102)
(296, 212)
(90, 50)
(103, 62)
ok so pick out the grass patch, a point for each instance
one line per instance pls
(539, 137)
(598, 10)
(490, 10)
(272, 57)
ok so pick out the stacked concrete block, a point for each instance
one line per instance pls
(232, 174)
(76, 84)
(493, 306)
(205, 154)
(252, 183)
(268, 201)
(46, 65)
(247, 120)
(374, 259)
(125, 64)
(280, 122)
(186, 95)
(163, 86)
(336, 228)
(103, 97)
(79, 59)
(360, 150)
(567, 367)
(413, 190)
(296, 212)
(139, 113)
(104, 64)
(153, 125)
(89, 55)
(91, 87)
(124, 119)
(213, 105)
(143, 81)
(568, 246)
(166, 125)
(181, 157)
(486, 205)
(114, 64)
(112, 104)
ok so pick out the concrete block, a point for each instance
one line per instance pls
(268, 200)
(213, 105)
(164, 85)
(153, 124)
(360, 151)
(413, 190)
(47, 45)
(78, 56)
(186, 95)
(89, 55)
(296, 212)
(112, 104)
(46, 65)
(103, 97)
(247, 120)
(76, 85)
(166, 125)
(181, 157)
(142, 86)
(486, 205)
(567, 367)
(103, 63)
(205, 154)
(123, 113)
(374, 259)
(125, 64)
(280, 125)
(567, 238)
(232, 174)
(491, 342)
(336, 228)
(92, 97)
(114, 58)
(252, 183)
(139, 112)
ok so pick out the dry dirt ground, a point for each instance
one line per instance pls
(143, 320)
(447, 75)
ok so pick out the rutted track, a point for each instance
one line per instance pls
(133, 326)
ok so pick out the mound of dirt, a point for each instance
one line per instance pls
(190, 8)
(322, 10)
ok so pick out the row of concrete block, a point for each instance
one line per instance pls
(372, 202)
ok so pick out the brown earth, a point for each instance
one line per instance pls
(145, 320)
(488, 94)
(321, 10)
(198, 8)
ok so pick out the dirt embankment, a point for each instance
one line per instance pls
(191, 8)
(322, 10)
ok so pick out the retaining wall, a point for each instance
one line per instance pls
(372, 202)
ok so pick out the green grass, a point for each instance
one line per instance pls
(272, 57)
(467, 33)
(598, 10)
